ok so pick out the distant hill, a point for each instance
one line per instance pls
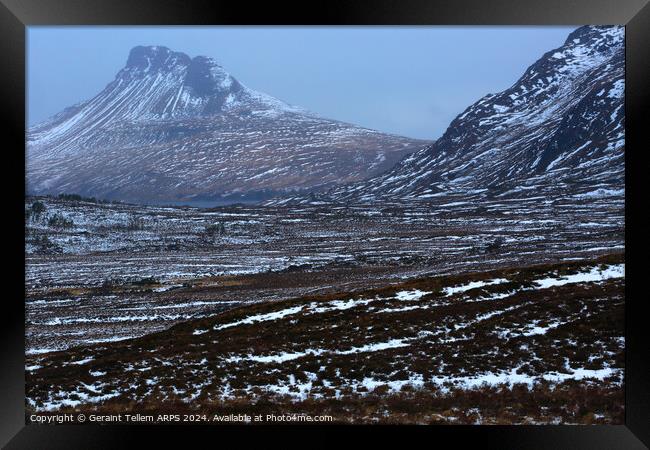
(170, 128)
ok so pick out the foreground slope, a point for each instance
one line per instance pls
(538, 344)
(559, 127)
(173, 128)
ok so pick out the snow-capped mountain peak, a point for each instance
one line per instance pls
(170, 127)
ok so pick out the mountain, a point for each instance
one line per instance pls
(173, 128)
(559, 127)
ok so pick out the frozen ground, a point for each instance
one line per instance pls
(545, 342)
(120, 271)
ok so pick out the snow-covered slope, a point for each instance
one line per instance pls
(561, 125)
(170, 127)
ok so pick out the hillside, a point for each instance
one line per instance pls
(559, 128)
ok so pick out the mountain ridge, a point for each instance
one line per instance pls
(172, 128)
(561, 124)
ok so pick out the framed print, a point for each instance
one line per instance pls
(363, 217)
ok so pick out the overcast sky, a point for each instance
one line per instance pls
(405, 80)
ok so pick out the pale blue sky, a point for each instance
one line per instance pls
(406, 80)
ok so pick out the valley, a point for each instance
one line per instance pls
(120, 271)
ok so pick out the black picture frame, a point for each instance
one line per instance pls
(16, 15)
